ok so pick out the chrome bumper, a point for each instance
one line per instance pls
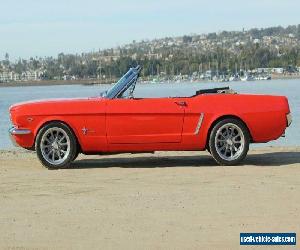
(15, 131)
(289, 119)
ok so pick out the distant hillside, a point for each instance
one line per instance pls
(226, 52)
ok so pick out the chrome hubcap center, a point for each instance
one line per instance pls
(55, 145)
(229, 142)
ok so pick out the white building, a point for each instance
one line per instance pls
(4, 76)
(9, 76)
(277, 70)
(264, 70)
(31, 75)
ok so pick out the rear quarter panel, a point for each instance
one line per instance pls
(265, 116)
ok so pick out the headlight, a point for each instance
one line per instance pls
(289, 119)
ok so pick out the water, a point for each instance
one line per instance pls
(289, 88)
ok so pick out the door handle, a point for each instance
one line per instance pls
(181, 104)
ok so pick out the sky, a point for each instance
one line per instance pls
(30, 28)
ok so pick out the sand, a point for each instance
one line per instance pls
(166, 200)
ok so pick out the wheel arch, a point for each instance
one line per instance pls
(44, 123)
(220, 118)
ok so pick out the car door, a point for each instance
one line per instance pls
(148, 120)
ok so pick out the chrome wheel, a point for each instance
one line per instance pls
(55, 145)
(229, 142)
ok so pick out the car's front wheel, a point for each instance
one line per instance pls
(229, 142)
(56, 145)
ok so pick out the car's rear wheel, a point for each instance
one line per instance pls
(229, 142)
(56, 145)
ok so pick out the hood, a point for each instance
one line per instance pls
(47, 102)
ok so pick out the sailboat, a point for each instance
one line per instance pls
(247, 78)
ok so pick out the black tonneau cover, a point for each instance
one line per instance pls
(212, 91)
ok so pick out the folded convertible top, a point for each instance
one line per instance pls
(224, 90)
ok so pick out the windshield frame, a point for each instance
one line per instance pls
(127, 80)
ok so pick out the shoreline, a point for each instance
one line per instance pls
(52, 83)
(91, 82)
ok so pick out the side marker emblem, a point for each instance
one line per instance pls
(84, 130)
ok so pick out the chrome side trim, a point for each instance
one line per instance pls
(16, 131)
(199, 124)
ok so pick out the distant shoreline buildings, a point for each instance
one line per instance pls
(11, 76)
(256, 53)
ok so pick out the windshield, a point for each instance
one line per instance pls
(129, 79)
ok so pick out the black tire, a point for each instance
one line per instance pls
(223, 152)
(71, 142)
(76, 154)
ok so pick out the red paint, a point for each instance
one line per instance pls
(151, 124)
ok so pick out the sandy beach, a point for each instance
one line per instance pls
(166, 200)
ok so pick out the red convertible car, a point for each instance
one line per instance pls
(217, 120)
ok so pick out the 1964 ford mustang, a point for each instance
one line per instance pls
(217, 120)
